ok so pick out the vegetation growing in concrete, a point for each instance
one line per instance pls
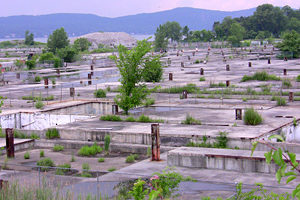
(190, 88)
(286, 83)
(37, 79)
(39, 104)
(217, 85)
(190, 120)
(260, 76)
(298, 78)
(130, 159)
(149, 102)
(42, 154)
(85, 170)
(252, 117)
(112, 169)
(45, 163)
(100, 93)
(106, 143)
(221, 142)
(114, 118)
(280, 101)
(202, 79)
(90, 150)
(57, 148)
(21, 135)
(100, 160)
(52, 133)
(142, 119)
(153, 70)
(27, 155)
(39, 98)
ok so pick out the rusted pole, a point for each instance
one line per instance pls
(10, 148)
(155, 136)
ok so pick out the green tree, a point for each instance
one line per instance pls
(58, 40)
(185, 32)
(68, 54)
(82, 44)
(29, 38)
(131, 64)
(173, 31)
(153, 70)
(161, 41)
(291, 43)
(237, 33)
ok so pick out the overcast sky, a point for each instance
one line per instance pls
(115, 8)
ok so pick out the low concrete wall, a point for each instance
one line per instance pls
(21, 146)
(223, 159)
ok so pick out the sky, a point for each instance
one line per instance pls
(116, 8)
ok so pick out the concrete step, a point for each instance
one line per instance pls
(20, 144)
(223, 159)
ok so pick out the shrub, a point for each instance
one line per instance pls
(260, 76)
(197, 61)
(130, 119)
(100, 93)
(52, 133)
(57, 148)
(130, 159)
(149, 102)
(42, 154)
(190, 88)
(45, 162)
(101, 160)
(111, 118)
(280, 101)
(252, 117)
(106, 142)
(27, 155)
(190, 120)
(66, 169)
(298, 78)
(286, 83)
(39, 105)
(73, 158)
(53, 81)
(216, 85)
(90, 150)
(153, 70)
(30, 64)
(37, 79)
(202, 79)
(146, 119)
(111, 169)
(34, 136)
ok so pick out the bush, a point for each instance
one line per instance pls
(27, 155)
(52, 133)
(130, 119)
(153, 71)
(90, 150)
(101, 160)
(280, 101)
(100, 93)
(42, 154)
(39, 105)
(130, 159)
(286, 83)
(106, 142)
(30, 64)
(197, 61)
(53, 81)
(37, 79)
(146, 119)
(57, 62)
(111, 118)
(111, 169)
(66, 169)
(190, 120)
(45, 162)
(260, 76)
(202, 79)
(252, 117)
(298, 78)
(34, 136)
(149, 102)
(57, 148)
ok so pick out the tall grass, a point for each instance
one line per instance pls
(261, 76)
(252, 117)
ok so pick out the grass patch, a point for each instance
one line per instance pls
(280, 101)
(39, 105)
(111, 169)
(27, 155)
(52, 133)
(100, 93)
(85, 170)
(130, 159)
(286, 83)
(44, 163)
(202, 79)
(149, 102)
(252, 117)
(42, 153)
(261, 76)
(114, 118)
(100, 160)
(66, 168)
(190, 120)
(90, 150)
(146, 119)
(49, 98)
(221, 142)
(190, 88)
(217, 85)
(58, 148)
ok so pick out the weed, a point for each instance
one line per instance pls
(44, 163)
(130, 159)
(260, 76)
(90, 150)
(190, 120)
(27, 155)
(101, 160)
(37, 79)
(66, 168)
(42, 153)
(57, 148)
(106, 142)
(280, 101)
(52, 133)
(111, 169)
(149, 102)
(202, 79)
(39, 105)
(252, 117)
(286, 83)
(100, 93)
(111, 118)
(130, 119)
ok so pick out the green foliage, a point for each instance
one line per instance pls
(85, 170)
(190, 88)
(236, 34)
(65, 168)
(202, 79)
(217, 85)
(29, 38)
(221, 142)
(106, 142)
(48, 56)
(291, 43)
(45, 162)
(27, 155)
(42, 153)
(39, 104)
(111, 169)
(57, 148)
(146, 119)
(30, 64)
(280, 101)
(114, 118)
(103, 50)
(39, 98)
(149, 102)
(252, 117)
(130, 119)
(57, 40)
(190, 120)
(72, 158)
(130, 159)
(69, 54)
(37, 79)
(153, 70)
(100, 160)
(90, 150)
(286, 83)
(260, 76)
(6, 44)
(52, 133)
(298, 78)
(138, 192)
(131, 64)
(100, 93)
(82, 44)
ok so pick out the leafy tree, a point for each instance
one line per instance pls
(29, 38)
(68, 54)
(153, 70)
(291, 43)
(82, 44)
(237, 33)
(30, 64)
(58, 40)
(173, 30)
(161, 41)
(131, 64)
(46, 57)
(185, 32)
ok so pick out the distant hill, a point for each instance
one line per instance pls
(79, 24)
